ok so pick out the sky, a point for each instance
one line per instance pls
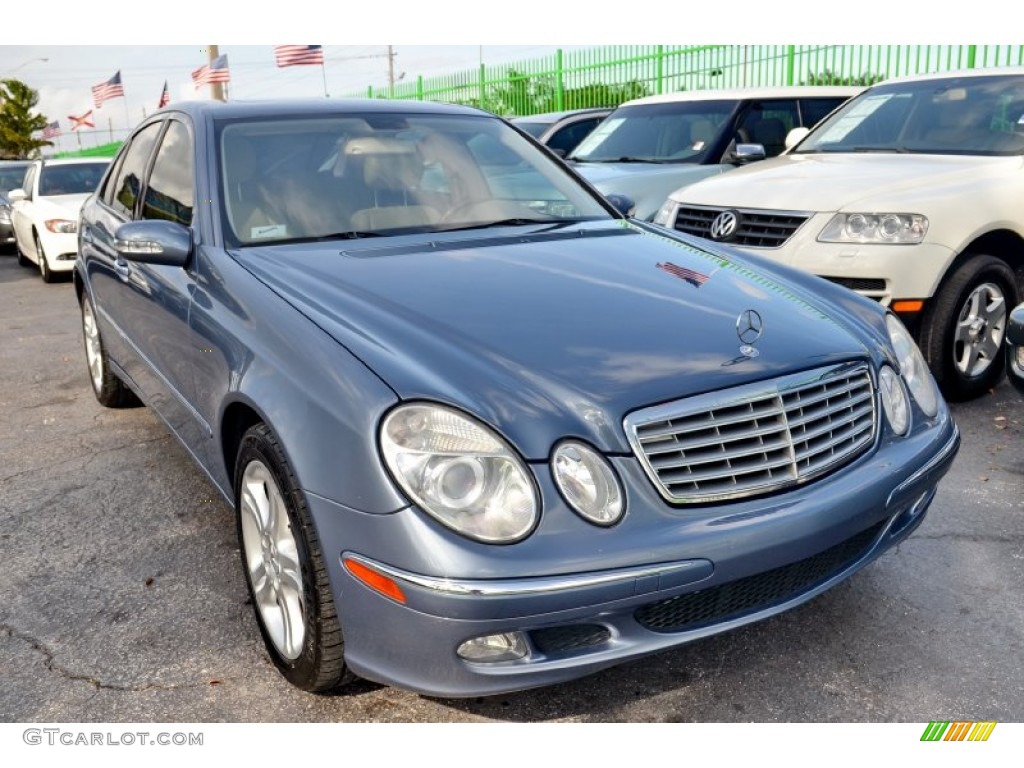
(149, 45)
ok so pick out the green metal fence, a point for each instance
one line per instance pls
(609, 75)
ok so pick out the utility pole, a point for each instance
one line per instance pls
(216, 89)
(391, 71)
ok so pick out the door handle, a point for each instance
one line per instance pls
(122, 269)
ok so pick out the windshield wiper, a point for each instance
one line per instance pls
(618, 160)
(346, 235)
(897, 150)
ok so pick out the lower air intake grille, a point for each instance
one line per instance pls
(754, 593)
(566, 639)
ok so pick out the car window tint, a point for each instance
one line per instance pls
(71, 179)
(812, 111)
(568, 137)
(129, 177)
(767, 123)
(11, 178)
(169, 193)
(109, 184)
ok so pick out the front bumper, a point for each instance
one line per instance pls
(611, 595)
(6, 233)
(61, 249)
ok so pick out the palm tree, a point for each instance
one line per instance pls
(18, 121)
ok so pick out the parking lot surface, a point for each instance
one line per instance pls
(124, 599)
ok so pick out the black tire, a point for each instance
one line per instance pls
(22, 258)
(964, 347)
(108, 388)
(44, 267)
(319, 666)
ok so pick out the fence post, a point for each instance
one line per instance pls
(790, 63)
(661, 70)
(972, 52)
(483, 87)
(419, 87)
(560, 86)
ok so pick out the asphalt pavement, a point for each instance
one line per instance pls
(123, 597)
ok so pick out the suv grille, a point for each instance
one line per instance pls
(754, 593)
(755, 228)
(756, 438)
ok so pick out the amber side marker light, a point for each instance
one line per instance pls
(915, 305)
(378, 582)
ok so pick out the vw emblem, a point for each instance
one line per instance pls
(749, 327)
(724, 225)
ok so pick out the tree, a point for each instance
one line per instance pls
(18, 120)
(828, 77)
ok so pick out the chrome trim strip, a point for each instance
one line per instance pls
(521, 587)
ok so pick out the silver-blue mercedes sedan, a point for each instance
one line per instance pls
(482, 431)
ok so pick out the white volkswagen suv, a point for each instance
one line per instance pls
(912, 194)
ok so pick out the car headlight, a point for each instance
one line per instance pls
(894, 400)
(5, 214)
(913, 368)
(884, 228)
(587, 483)
(664, 214)
(460, 472)
(64, 226)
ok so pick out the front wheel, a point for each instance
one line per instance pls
(108, 388)
(285, 567)
(44, 266)
(963, 328)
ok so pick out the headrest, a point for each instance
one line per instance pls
(387, 163)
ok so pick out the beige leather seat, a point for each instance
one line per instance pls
(392, 170)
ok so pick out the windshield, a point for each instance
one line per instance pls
(11, 178)
(71, 179)
(962, 115)
(669, 132)
(306, 178)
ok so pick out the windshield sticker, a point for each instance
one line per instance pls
(697, 146)
(853, 117)
(269, 230)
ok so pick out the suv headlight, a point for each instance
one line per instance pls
(460, 472)
(913, 368)
(884, 228)
(664, 214)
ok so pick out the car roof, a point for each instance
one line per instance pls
(554, 117)
(300, 107)
(770, 92)
(956, 73)
(73, 160)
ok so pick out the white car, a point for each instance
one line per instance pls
(44, 212)
(911, 194)
(649, 147)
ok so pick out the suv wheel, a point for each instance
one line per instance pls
(963, 328)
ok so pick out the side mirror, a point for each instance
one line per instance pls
(623, 204)
(154, 242)
(17, 195)
(741, 154)
(1015, 328)
(795, 136)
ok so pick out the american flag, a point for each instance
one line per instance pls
(290, 55)
(696, 279)
(51, 130)
(110, 89)
(82, 121)
(214, 72)
(165, 97)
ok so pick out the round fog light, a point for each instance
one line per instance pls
(1020, 358)
(507, 646)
